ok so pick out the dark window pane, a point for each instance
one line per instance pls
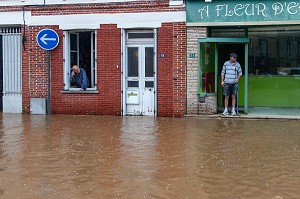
(73, 43)
(133, 84)
(74, 58)
(274, 50)
(140, 35)
(229, 33)
(133, 61)
(149, 84)
(149, 72)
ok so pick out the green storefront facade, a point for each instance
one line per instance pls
(266, 37)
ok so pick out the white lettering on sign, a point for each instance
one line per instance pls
(226, 10)
(292, 8)
(254, 9)
(203, 11)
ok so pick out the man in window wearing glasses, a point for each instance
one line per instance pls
(231, 73)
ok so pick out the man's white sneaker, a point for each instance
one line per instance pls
(225, 113)
(233, 113)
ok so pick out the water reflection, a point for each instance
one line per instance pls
(143, 157)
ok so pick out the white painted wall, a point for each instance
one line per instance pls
(14, 18)
(75, 21)
(123, 20)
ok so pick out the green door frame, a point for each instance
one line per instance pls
(230, 40)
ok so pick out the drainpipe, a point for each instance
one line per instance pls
(48, 53)
(24, 23)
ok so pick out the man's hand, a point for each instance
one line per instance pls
(73, 74)
(222, 83)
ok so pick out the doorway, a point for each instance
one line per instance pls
(213, 53)
(224, 50)
(139, 80)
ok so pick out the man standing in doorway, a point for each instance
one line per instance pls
(231, 73)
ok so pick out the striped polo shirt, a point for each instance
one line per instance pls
(231, 71)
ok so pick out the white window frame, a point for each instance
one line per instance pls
(67, 61)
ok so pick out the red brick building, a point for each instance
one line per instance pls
(133, 52)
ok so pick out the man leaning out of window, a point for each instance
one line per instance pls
(79, 77)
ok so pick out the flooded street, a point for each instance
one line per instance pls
(91, 157)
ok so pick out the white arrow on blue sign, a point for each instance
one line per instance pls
(47, 39)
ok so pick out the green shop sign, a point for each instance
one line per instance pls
(241, 11)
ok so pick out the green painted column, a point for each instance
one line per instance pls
(246, 79)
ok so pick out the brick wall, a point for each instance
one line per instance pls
(108, 100)
(193, 105)
(109, 75)
(179, 70)
(34, 69)
(164, 71)
(118, 7)
(171, 70)
(25, 76)
(35, 80)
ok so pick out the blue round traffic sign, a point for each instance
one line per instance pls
(47, 39)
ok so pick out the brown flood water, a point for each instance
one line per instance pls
(91, 157)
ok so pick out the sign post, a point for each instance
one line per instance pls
(47, 39)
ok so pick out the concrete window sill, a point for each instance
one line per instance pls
(79, 92)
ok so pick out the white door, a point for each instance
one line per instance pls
(139, 80)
